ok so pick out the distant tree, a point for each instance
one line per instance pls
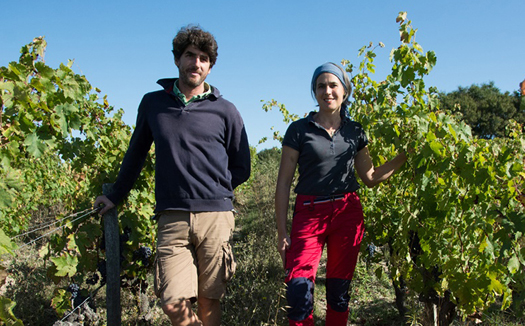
(484, 108)
(270, 154)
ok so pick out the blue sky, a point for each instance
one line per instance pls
(267, 49)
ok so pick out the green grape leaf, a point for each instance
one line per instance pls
(61, 302)
(34, 145)
(513, 264)
(65, 265)
(6, 245)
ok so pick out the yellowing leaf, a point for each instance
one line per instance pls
(6, 312)
(432, 116)
(401, 17)
(452, 132)
(496, 285)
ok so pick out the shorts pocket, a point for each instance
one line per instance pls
(228, 262)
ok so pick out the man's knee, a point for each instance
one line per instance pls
(337, 293)
(181, 313)
(300, 296)
(208, 304)
(209, 311)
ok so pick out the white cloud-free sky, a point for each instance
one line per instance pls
(267, 49)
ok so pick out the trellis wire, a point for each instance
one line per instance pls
(81, 304)
(58, 228)
(46, 225)
(77, 307)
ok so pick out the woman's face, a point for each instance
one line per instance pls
(329, 92)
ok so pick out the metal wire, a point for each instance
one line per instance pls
(46, 225)
(60, 227)
(77, 307)
(83, 302)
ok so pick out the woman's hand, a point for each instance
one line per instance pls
(282, 246)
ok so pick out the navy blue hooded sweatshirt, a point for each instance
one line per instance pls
(202, 151)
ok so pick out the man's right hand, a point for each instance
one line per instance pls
(108, 204)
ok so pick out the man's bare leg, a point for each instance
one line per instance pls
(181, 314)
(209, 311)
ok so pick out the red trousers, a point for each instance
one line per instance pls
(336, 221)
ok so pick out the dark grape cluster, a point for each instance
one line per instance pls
(74, 289)
(144, 254)
(76, 295)
(371, 248)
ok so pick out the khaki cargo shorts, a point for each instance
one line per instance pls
(194, 256)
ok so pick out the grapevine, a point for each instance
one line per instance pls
(60, 141)
(448, 214)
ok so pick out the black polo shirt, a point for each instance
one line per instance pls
(326, 164)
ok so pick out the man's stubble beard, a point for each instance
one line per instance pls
(193, 83)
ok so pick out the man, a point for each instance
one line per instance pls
(202, 154)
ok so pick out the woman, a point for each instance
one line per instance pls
(328, 148)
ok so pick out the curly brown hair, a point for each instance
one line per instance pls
(194, 35)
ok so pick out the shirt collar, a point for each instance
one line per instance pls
(345, 117)
(176, 91)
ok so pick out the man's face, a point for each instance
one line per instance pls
(522, 87)
(194, 67)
